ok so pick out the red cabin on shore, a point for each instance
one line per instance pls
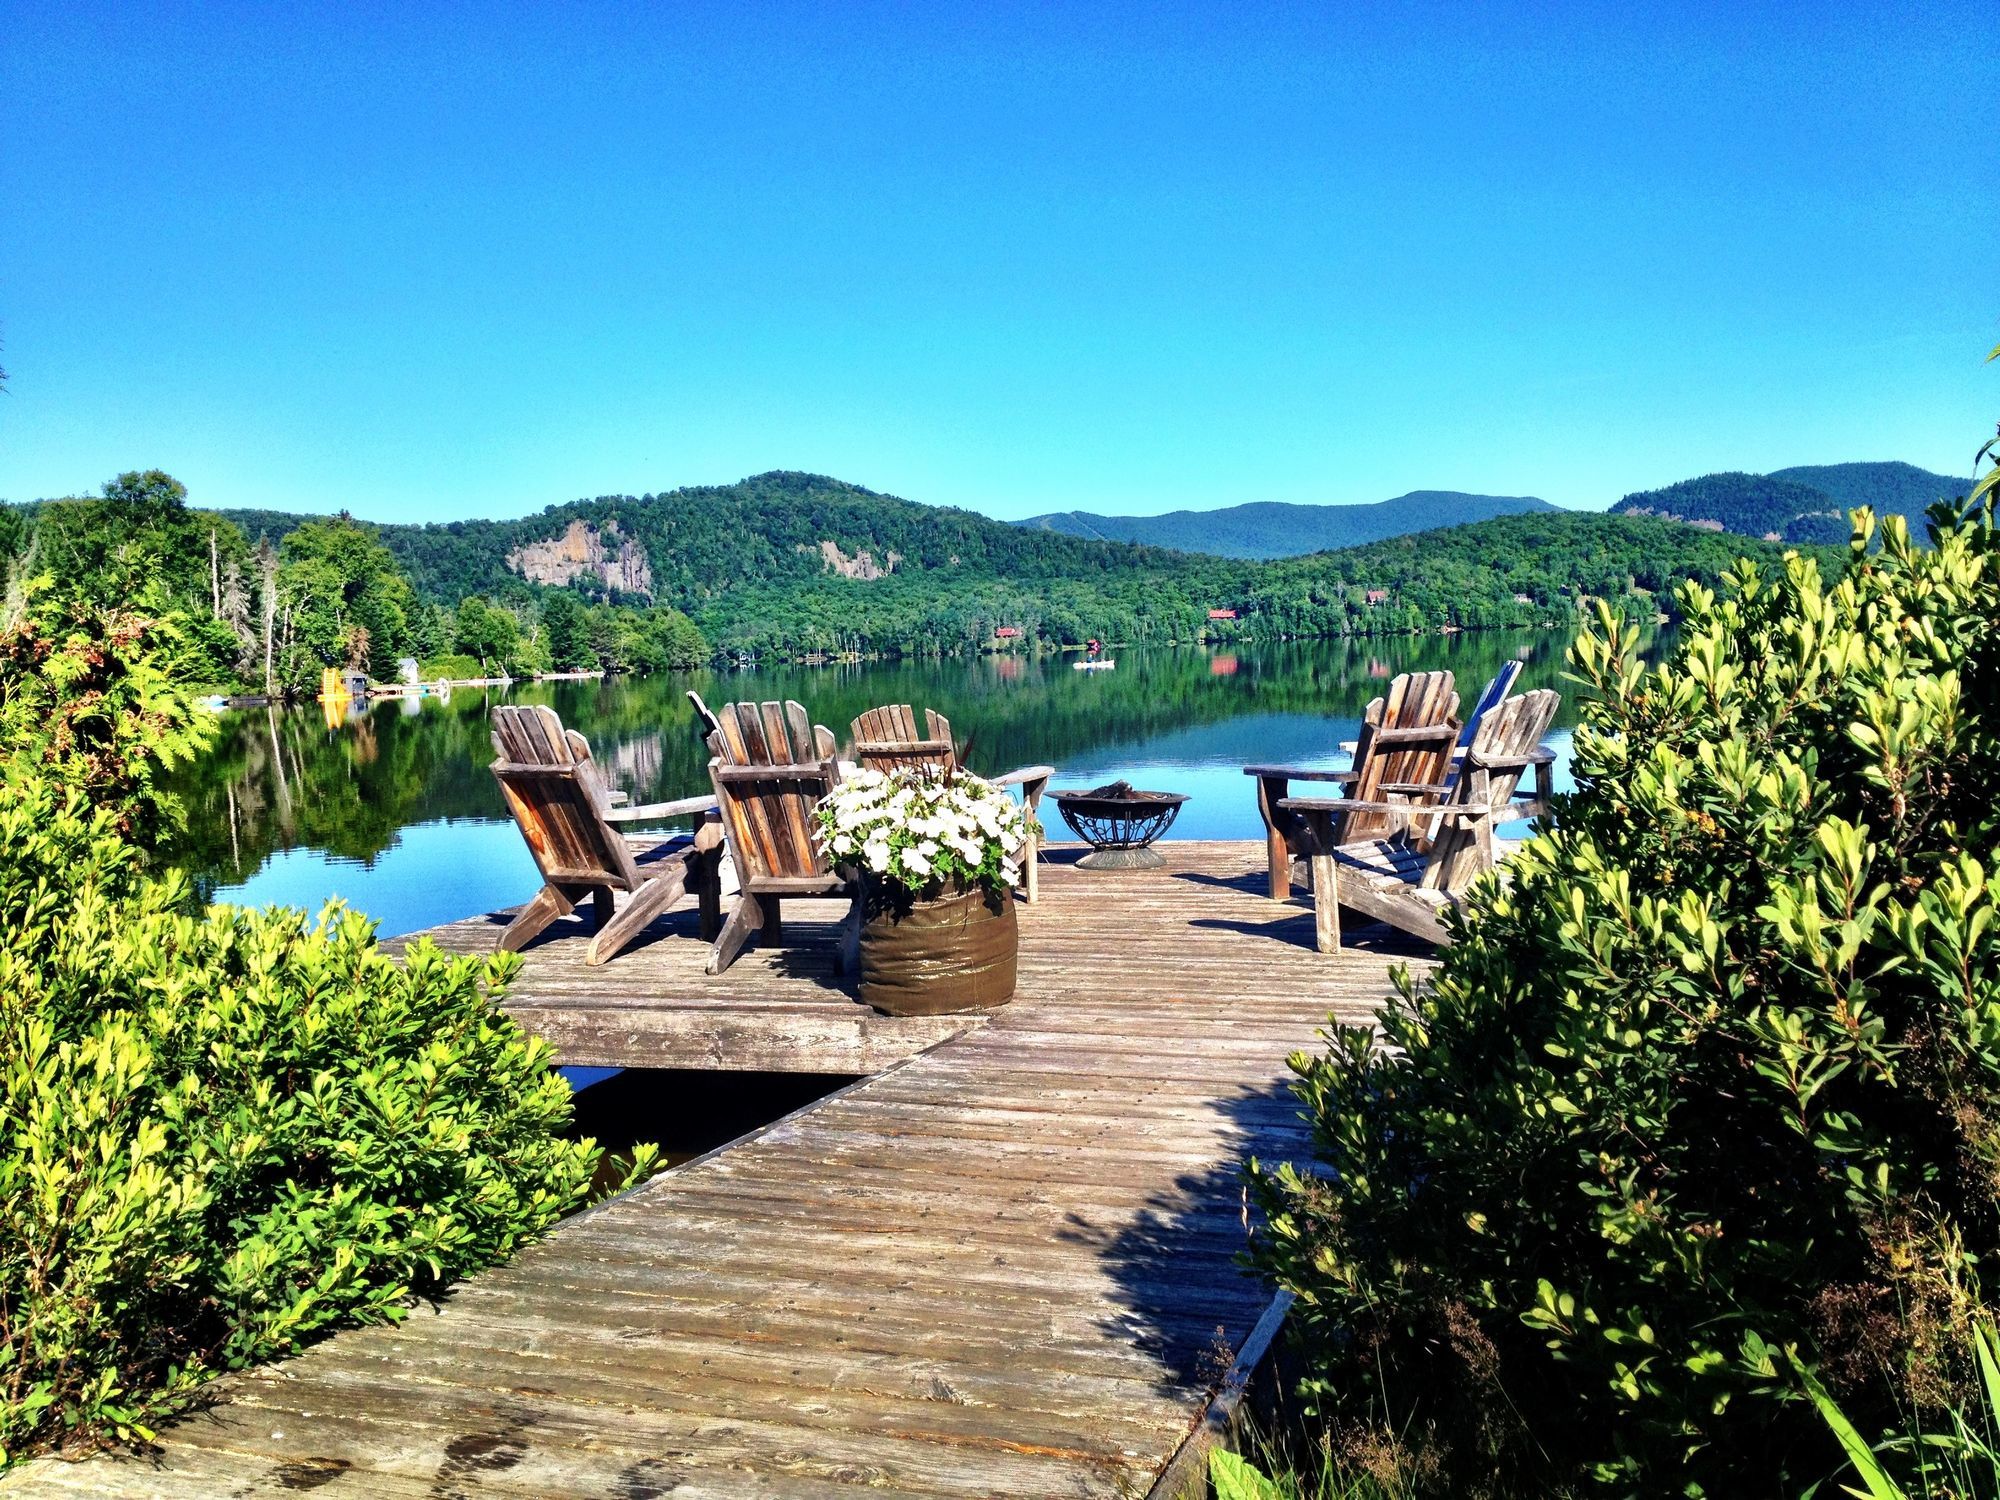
(1006, 632)
(1222, 614)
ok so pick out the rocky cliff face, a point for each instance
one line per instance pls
(862, 565)
(583, 551)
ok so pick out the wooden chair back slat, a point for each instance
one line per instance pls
(555, 796)
(1418, 712)
(1515, 731)
(769, 820)
(887, 739)
(794, 819)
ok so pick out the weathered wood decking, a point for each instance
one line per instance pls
(777, 1009)
(1002, 1267)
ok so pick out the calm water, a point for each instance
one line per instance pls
(392, 809)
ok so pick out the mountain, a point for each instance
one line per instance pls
(1806, 504)
(1748, 504)
(1272, 529)
(791, 564)
(693, 544)
(1901, 488)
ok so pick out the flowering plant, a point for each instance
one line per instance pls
(920, 827)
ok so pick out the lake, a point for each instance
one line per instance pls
(390, 807)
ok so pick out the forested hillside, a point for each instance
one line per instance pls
(766, 529)
(1271, 529)
(1891, 488)
(271, 610)
(787, 565)
(1808, 504)
(1747, 504)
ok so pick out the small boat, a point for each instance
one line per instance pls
(1093, 666)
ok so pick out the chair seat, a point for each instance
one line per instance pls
(1388, 857)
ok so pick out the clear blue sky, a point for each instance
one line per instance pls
(436, 261)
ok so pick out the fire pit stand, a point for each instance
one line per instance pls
(1119, 823)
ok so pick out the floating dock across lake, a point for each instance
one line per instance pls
(1002, 1265)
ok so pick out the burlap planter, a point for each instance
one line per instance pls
(937, 953)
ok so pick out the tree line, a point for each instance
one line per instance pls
(267, 601)
(272, 614)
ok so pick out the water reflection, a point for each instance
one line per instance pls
(391, 806)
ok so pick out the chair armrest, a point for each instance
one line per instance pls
(1407, 809)
(1032, 780)
(1537, 757)
(1296, 773)
(686, 807)
(1023, 776)
(820, 771)
(616, 796)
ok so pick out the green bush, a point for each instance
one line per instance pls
(222, 1133)
(1711, 1081)
(456, 668)
(86, 701)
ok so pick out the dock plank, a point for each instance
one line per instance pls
(1006, 1264)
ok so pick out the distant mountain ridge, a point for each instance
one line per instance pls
(1806, 504)
(694, 543)
(797, 564)
(1269, 528)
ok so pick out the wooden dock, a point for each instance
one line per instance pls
(775, 1010)
(1003, 1266)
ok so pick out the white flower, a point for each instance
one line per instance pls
(912, 826)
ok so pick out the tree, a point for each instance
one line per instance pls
(567, 631)
(486, 632)
(152, 491)
(338, 578)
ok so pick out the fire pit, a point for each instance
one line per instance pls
(1119, 822)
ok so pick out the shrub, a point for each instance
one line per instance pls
(456, 668)
(86, 700)
(221, 1134)
(1711, 1081)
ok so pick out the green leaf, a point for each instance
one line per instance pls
(1236, 1478)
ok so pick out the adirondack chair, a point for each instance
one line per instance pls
(771, 766)
(1407, 740)
(570, 820)
(886, 739)
(1409, 881)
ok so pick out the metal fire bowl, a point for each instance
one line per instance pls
(1119, 829)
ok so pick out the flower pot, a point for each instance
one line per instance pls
(934, 952)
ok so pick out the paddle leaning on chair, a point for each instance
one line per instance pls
(1403, 877)
(771, 766)
(1407, 739)
(567, 815)
(886, 739)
